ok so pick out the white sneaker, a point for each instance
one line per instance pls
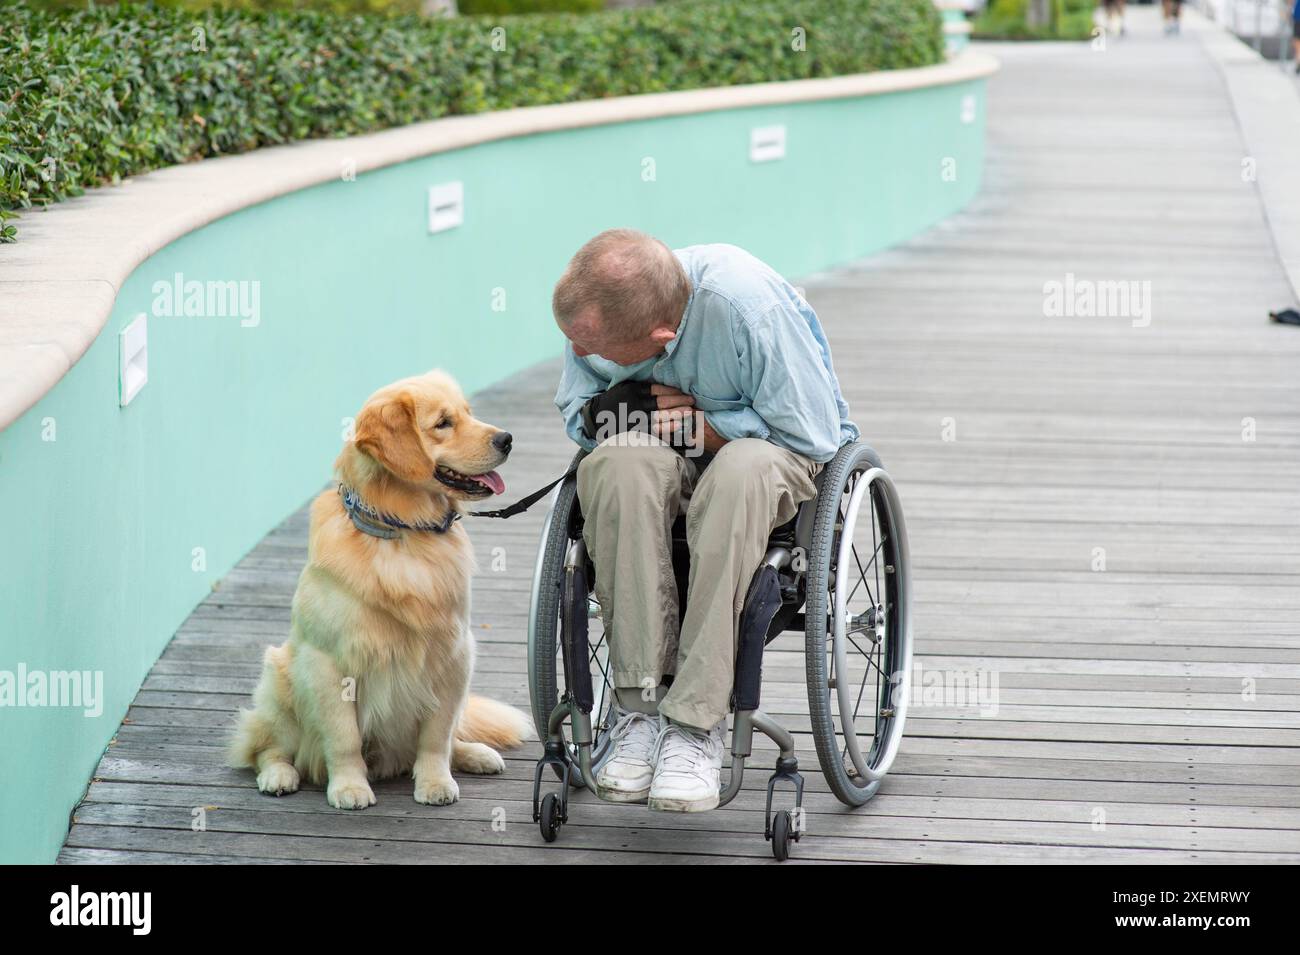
(625, 774)
(688, 769)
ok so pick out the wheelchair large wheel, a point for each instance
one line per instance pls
(545, 664)
(858, 624)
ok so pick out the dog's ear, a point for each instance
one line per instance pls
(386, 430)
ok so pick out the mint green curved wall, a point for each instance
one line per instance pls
(238, 426)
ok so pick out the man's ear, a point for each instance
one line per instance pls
(661, 335)
(387, 432)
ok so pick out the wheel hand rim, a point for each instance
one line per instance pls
(876, 764)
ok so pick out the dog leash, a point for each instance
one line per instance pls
(524, 503)
(387, 527)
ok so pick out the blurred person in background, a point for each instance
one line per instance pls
(1173, 16)
(1114, 17)
(1295, 35)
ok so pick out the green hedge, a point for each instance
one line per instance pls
(499, 7)
(89, 97)
(318, 6)
(468, 7)
(1006, 20)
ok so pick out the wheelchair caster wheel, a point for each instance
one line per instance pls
(782, 835)
(550, 817)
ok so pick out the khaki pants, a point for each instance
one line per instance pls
(632, 488)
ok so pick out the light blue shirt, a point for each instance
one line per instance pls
(749, 350)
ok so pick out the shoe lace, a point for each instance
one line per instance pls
(635, 736)
(683, 750)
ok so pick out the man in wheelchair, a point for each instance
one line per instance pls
(702, 384)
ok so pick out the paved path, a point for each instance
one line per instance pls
(1122, 733)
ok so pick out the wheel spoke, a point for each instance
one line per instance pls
(857, 704)
(862, 579)
(862, 573)
(606, 681)
(595, 652)
(876, 551)
(874, 554)
(876, 717)
(868, 655)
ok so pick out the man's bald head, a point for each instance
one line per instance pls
(620, 287)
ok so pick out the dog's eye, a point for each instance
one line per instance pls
(443, 423)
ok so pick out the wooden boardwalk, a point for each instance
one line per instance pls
(1123, 731)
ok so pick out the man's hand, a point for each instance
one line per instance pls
(675, 407)
(713, 441)
(667, 397)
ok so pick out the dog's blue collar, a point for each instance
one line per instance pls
(385, 526)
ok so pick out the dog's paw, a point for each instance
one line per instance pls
(350, 794)
(477, 758)
(436, 792)
(278, 779)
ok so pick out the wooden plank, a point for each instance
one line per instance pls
(133, 738)
(71, 856)
(888, 804)
(592, 845)
(483, 822)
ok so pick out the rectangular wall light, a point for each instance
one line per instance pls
(446, 206)
(766, 143)
(133, 359)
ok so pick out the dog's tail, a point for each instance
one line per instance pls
(496, 724)
(256, 730)
(250, 737)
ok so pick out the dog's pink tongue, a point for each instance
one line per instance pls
(492, 481)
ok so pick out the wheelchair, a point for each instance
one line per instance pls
(838, 572)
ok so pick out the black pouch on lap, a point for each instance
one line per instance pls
(761, 604)
(625, 407)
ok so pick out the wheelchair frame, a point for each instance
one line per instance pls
(778, 600)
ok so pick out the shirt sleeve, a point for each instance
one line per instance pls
(578, 385)
(733, 423)
(792, 397)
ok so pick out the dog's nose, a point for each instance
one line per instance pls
(502, 440)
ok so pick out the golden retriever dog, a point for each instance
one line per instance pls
(373, 681)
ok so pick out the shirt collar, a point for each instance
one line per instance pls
(681, 326)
